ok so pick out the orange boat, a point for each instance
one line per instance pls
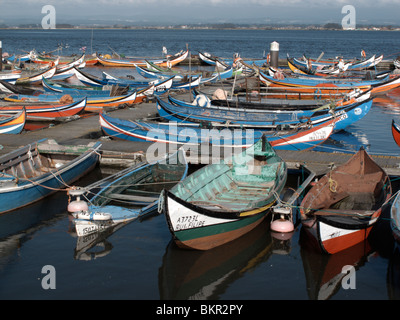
(326, 89)
(396, 132)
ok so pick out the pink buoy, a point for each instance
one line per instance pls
(282, 225)
(285, 222)
(77, 205)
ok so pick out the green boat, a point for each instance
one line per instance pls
(221, 202)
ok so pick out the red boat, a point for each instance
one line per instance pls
(396, 132)
(48, 111)
(340, 210)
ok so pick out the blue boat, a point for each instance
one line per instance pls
(97, 92)
(314, 82)
(132, 193)
(255, 115)
(303, 137)
(41, 168)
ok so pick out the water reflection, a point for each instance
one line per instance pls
(324, 272)
(347, 141)
(18, 226)
(389, 103)
(393, 275)
(203, 275)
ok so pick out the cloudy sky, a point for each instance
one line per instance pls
(199, 11)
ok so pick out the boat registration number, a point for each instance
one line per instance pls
(188, 222)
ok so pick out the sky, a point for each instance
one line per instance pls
(152, 12)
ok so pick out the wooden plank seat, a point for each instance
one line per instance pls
(131, 197)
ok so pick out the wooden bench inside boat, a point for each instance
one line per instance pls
(130, 197)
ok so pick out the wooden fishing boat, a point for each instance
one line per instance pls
(19, 58)
(387, 85)
(254, 115)
(224, 73)
(159, 86)
(10, 77)
(304, 136)
(95, 95)
(47, 111)
(324, 88)
(79, 62)
(221, 202)
(169, 62)
(37, 78)
(6, 87)
(350, 64)
(396, 132)
(321, 71)
(132, 194)
(12, 123)
(395, 217)
(95, 103)
(40, 169)
(340, 210)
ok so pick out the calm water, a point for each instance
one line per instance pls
(139, 261)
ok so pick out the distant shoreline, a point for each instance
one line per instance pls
(202, 27)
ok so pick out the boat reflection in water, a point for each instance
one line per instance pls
(324, 272)
(393, 275)
(389, 104)
(205, 275)
(344, 141)
(95, 245)
(18, 226)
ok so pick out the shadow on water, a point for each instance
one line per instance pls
(205, 275)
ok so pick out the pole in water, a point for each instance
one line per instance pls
(263, 143)
(274, 54)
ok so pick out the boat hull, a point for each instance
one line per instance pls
(27, 191)
(396, 132)
(202, 232)
(15, 125)
(234, 138)
(333, 239)
(342, 207)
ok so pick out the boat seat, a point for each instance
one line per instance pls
(330, 212)
(129, 197)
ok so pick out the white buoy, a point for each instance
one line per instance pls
(285, 222)
(78, 204)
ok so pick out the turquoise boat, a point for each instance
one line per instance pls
(221, 202)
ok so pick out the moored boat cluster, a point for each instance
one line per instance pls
(248, 107)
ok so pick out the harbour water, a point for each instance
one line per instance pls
(140, 262)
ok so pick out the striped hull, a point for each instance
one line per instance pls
(203, 232)
(396, 132)
(333, 239)
(15, 124)
(49, 111)
(346, 115)
(288, 140)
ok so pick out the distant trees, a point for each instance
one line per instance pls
(332, 26)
